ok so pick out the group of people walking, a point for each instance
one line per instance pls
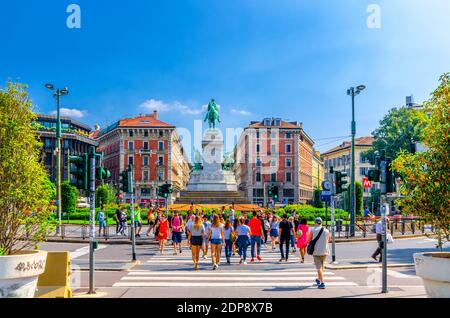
(235, 235)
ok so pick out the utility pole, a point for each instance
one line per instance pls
(91, 219)
(384, 210)
(133, 236)
(333, 241)
(352, 92)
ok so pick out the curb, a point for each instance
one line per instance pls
(104, 242)
(133, 265)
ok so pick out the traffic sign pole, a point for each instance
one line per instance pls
(133, 235)
(91, 220)
(333, 240)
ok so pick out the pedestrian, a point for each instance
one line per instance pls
(163, 232)
(196, 232)
(123, 223)
(302, 238)
(217, 238)
(117, 217)
(379, 233)
(231, 214)
(177, 232)
(137, 222)
(155, 228)
(285, 230)
(235, 225)
(262, 219)
(256, 227)
(189, 223)
(230, 237)
(207, 225)
(274, 225)
(150, 220)
(243, 240)
(101, 222)
(291, 220)
(319, 237)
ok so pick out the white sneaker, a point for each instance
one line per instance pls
(245, 262)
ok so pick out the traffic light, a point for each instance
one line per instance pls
(79, 172)
(275, 193)
(340, 182)
(390, 178)
(125, 181)
(101, 173)
(165, 190)
(374, 175)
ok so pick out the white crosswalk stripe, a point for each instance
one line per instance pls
(177, 271)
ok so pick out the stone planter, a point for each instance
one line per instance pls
(19, 273)
(434, 269)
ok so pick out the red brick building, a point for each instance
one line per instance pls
(274, 152)
(153, 148)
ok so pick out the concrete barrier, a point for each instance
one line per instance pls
(55, 281)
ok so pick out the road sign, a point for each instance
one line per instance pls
(326, 185)
(367, 184)
(325, 196)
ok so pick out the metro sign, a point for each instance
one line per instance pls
(367, 184)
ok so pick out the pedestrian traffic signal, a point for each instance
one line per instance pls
(125, 181)
(102, 173)
(79, 171)
(165, 190)
(341, 183)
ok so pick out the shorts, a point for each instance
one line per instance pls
(274, 233)
(216, 241)
(205, 240)
(176, 237)
(196, 240)
(319, 261)
(137, 224)
(101, 224)
(151, 223)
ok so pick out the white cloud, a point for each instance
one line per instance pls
(240, 112)
(160, 106)
(73, 113)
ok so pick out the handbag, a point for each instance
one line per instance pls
(312, 244)
(232, 237)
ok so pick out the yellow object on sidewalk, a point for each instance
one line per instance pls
(55, 281)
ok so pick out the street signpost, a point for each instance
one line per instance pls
(327, 195)
(367, 184)
(385, 210)
(91, 219)
(133, 235)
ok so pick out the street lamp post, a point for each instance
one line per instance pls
(58, 94)
(353, 92)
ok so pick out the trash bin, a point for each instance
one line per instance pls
(339, 225)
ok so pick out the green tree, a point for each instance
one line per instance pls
(69, 197)
(317, 203)
(105, 194)
(400, 128)
(25, 194)
(359, 197)
(426, 175)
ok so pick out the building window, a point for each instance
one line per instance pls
(146, 191)
(288, 193)
(288, 163)
(258, 177)
(130, 160)
(161, 145)
(258, 162)
(48, 159)
(277, 122)
(145, 145)
(273, 135)
(363, 171)
(145, 160)
(145, 133)
(273, 177)
(288, 135)
(273, 149)
(267, 122)
(160, 175)
(258, 148)
(273, 163)
(288, 177)
(288, 148)
(258, 193)
(130, 133)
(145, 173)
(161, 133)
(160, 161)
(130, 145)
(257, 134)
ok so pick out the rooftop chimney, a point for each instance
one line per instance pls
(155, 114)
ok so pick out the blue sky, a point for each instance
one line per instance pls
(285, 58)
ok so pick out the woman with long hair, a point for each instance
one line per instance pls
(302, 238)
(163, 232)
(217, 238)
(229, 235)
(196, 232)
(274, 231)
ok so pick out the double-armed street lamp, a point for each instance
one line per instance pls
(353, 92)
(57, 95)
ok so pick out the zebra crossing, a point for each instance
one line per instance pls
(177, 271)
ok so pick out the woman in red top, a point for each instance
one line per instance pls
(163, 232)
(302, 238)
